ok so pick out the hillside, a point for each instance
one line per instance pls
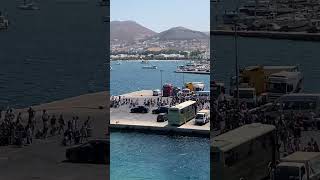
(181, 33)
(128, 31)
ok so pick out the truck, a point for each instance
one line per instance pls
(195, 86)
(247, 95)
(202, 117)
(282, 83)
(299, 166)
(262, 79)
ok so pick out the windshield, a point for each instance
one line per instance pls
(277, 87)
(199, 116)
(287, 173)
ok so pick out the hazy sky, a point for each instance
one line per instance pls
(160, 15)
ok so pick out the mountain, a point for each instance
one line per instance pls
(128, 31)
(181, 33)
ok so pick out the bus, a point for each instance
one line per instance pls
(182, 113)
(244, 152)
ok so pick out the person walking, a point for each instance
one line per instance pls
(61, 124)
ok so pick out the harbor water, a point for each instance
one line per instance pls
(52, 53)
(145, 156)
(257, 51)
(136, 156)
(129, 76)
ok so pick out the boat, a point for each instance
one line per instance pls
(150, 67)
(144, 62)
(118, 63)
(4, 22)
(28, 6)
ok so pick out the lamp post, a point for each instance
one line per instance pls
(236, 58)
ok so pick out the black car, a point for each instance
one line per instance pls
(94, 151)
(162, 117)
(139, 109)
(162, 109)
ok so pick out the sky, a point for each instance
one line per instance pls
(160, 15)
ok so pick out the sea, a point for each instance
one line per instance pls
(53, 53)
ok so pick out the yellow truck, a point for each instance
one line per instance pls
(258, 77)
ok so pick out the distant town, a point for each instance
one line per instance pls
(269, 15)
(129, 40)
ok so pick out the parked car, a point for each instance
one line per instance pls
(156, 92)
(161, 109)
(94, 151)
(162, 117)
(140, 109)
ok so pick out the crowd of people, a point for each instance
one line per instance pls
(118, 101)
(228, 115)
(15, 131)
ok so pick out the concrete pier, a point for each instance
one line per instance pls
(122, 120)
(44, 159)
(302, 36)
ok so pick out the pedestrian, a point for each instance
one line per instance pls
(29, 134)
(53, 125)
(61, 124)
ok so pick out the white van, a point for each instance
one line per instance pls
(202, 117)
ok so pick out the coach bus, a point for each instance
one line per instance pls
(182, 113)
(244, 152)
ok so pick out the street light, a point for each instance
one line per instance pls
(236, 57)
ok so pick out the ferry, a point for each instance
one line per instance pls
(28, 6)
(4, 22)
(150, 67)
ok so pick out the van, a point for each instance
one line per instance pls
(202, 117)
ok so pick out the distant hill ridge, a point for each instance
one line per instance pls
(128, 31)
(131, 30)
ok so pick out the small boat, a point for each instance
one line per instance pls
(144, 62)
(118, 63)
(28, 6)
(150, 67)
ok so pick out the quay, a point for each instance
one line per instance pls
(301, 36)
(122, 120)
(193, 72)
(45, 158)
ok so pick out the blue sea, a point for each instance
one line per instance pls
(56, 52)
(129, 76)
(137, 156)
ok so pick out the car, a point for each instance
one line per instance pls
(94, 151)
(162, 117)
(161, 109)
(140, 109)
(156, 92)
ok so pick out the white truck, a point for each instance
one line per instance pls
(202, 117)
(299, 166)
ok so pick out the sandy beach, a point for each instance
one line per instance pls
(44, 159)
